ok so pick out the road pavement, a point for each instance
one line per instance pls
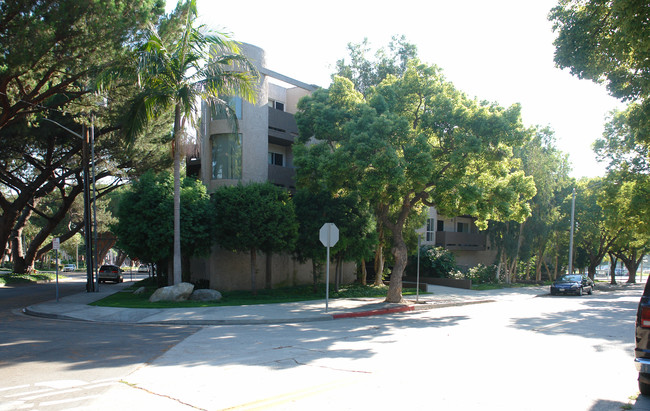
(292, 356)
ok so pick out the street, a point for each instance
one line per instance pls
(518, 353)
(572, 353)
(60, 365)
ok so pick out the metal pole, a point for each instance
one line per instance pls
(417, 280)
(87, 226)
(327, 274)
(95, 243)
(573, 208)
(56, 254)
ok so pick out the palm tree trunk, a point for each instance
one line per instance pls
(177, 268)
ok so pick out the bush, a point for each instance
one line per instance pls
(482, 274)
(437, 261)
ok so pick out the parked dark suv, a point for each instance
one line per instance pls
(642, 348)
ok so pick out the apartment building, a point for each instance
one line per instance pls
(258, 149)
(461, 236)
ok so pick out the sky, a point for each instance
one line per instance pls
(500, 51)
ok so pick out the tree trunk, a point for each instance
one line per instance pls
(315, 272)
(612, 268)
(400, 253)
(177, 195)
(379, 258)
(364, 274)
(269, 267)
(253, 271)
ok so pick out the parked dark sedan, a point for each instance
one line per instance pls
(642, 347)
(572, 284)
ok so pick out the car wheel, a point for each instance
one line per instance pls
(580, 291)
(644, 387)
(591, 290)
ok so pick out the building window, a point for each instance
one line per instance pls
(462, 227)
(430, 233)
(276, 105)
(221, 113)
(226, 156)
(276, 159)
(441, 225)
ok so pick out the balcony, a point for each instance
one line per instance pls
(460, 241)
(282, 176)
(282, 127)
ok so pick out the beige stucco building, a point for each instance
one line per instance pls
(259, 151)
(461, 236)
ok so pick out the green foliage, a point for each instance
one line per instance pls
(482, 274)
(145, 228)
(254, 216)
(413, 140)
(15, 278)
(437, 261)
(365, 73)
(608, 42)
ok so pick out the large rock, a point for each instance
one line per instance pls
(178, 292)
(205, 295)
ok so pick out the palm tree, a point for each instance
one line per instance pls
(177, 72)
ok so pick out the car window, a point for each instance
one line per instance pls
(571, 278)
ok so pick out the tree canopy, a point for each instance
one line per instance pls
(252, 217)
(414, 140)
(145, 220)
(608, 41)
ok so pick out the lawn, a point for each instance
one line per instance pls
(126, 298)
(13, 278)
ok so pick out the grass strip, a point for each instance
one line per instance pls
(128, 299)
(14, 278)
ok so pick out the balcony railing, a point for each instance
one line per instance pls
(282, 127)
(460, 241)
(283, 176)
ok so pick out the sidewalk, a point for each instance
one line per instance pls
(76, 307)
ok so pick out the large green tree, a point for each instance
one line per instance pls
(178, 72)
(252, 217)
(52, 49)
(414, 140)
(52, 54)
(608, 41)
(145, 224)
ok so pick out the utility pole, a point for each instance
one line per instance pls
(90, 285)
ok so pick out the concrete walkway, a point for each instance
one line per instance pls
(76, 307)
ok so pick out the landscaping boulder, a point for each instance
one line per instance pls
(140, 290)
(178, 292)
(205, 295)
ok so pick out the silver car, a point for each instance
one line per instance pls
(110, 273)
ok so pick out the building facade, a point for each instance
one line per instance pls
(461, 236)
(256, 149)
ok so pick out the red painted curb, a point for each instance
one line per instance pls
(374, 312)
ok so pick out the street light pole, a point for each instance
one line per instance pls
(87, 226)
(90, 284)
(95, 242)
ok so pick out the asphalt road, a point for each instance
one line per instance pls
(62, 365)
(542, 353)
(565, 353)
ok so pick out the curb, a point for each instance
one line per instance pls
(324, 317)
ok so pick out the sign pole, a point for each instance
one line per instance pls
(327, 276)
(329, 236)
